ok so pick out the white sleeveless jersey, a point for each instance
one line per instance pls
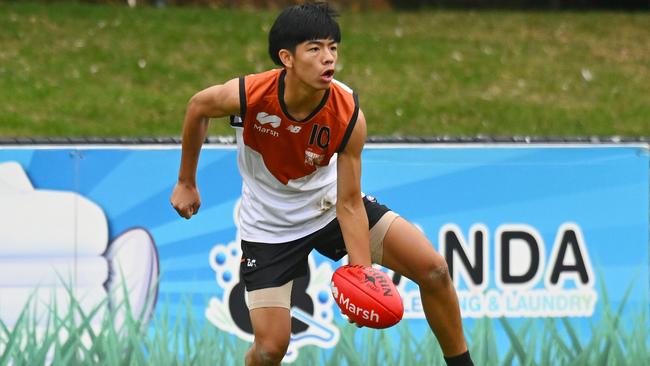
(288, 166)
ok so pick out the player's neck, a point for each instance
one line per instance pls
(301, 99)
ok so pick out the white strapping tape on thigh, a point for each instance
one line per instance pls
(270, 297)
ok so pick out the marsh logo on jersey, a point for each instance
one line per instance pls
(263, 119)
(311, 301)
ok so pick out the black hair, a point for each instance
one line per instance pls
(300, 23)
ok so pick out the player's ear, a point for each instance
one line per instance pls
(286, 57)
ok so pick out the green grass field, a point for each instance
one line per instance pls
(70, 69)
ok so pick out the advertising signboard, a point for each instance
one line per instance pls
(530, 233)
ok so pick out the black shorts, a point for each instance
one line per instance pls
(266, 265)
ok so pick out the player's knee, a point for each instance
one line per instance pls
(434, 274)
(271, 352)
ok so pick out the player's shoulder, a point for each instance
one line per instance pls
(343, 102)
(260, 85)
(343, 96)
(268, 75)
(342, 87)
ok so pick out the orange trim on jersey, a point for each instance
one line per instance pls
(294, 149)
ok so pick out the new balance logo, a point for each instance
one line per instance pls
(294, 129)
(264, 118)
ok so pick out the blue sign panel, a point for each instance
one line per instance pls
(529, 232)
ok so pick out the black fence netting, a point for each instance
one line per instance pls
(227, 140)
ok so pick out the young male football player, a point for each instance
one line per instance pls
(300, 134)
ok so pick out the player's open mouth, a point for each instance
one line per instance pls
(328, 75)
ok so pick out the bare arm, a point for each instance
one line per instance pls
(213, 102)
(350, 210)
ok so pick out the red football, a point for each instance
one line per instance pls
(367, 296)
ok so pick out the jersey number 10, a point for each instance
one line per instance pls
(320, 135)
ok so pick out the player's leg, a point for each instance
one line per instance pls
(272, 330)
(268, 271)
(408, 252)
(271, 320)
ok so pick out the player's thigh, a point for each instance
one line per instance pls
(271, 326)
(408, 252)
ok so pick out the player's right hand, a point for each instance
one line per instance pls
(352, 322)
(186, 199)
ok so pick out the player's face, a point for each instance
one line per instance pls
(315, 61)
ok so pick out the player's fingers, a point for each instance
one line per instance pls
(177, 207)
(178, 210)
(352, 322)
(187, 213)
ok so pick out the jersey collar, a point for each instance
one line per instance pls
(284, 106)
